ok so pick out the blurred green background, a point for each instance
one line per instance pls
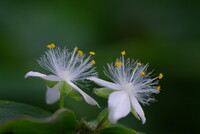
(162, 33)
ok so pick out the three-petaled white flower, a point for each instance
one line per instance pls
(66, 66)
(131, 85)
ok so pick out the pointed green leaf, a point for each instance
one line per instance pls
(103, 114)
(49, 83)
(62, 122)
(135, 114)
(103, 119)
(103, 92)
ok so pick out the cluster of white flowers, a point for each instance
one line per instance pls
(131, 81)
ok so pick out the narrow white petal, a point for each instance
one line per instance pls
(53, 78)
(104, 83)
(52, 94)
(44, 76)
(138, 109)
(87, 98)
(35, 74)
(118, 105)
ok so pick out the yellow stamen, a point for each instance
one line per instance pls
(92, 53)
(51, 46)
(76, 48)
(123, 53)
(139, 64)
(160, 76)
(80, 52)
(93, 62)
(118, 64)
(142, 73)
(158, 87)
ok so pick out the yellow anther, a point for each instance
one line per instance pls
(139, 64)
(80, 52)
(158, 87)
(142, 73)
(123, 52)
(76, 48)
(51, 46)
(93, 62)
(160, 76)
(92, 53)
(118, 64)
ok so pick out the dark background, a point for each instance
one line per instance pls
(162, 33)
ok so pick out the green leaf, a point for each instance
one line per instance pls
(103, 92)
(10, 110)
(101, 121)
(102, 115)
(117, 130)
(49, 83)
(135, 114)
(62, 122)
(66, 89)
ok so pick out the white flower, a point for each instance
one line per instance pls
(131, 85)
(66, 66)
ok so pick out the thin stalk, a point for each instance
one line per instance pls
(62, 99)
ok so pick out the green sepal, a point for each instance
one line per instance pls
(135, 114)
(75, 95)
(103, 92)
(49, 83)
(66, 89)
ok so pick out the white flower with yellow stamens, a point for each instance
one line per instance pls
(68, 68)
(131, 85)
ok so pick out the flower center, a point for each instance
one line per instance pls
(65, 75)
(128, 87)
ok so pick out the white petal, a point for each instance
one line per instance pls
(52, 94)
(87, 98)
(104, 83)
(53, 78)
(44, 76)
(35, 74)
(138, 109)
(118, 105)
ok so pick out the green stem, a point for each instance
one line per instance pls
(62, 99)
